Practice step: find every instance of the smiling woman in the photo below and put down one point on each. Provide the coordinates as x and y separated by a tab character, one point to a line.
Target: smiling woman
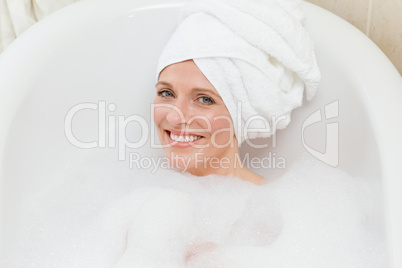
218	78
66	206
195	125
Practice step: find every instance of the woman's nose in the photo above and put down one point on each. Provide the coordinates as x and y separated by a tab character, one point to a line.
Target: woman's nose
180	113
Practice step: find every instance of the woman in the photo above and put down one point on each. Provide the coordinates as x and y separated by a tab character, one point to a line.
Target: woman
199	130
231	71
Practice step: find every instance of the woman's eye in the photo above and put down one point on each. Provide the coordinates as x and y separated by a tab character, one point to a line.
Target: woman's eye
165	93
206	100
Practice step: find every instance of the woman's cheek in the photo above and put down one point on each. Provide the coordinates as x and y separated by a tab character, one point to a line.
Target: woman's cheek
159	114
222	131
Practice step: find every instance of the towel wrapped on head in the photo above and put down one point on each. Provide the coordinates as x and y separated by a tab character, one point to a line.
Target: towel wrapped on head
257	55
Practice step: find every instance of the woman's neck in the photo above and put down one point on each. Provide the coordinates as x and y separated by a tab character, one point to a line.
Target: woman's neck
248	175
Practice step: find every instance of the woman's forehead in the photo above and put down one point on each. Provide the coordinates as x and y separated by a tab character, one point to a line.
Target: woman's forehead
185	74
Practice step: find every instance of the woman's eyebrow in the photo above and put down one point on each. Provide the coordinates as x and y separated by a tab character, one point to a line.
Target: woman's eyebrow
207	90
163	83
199	89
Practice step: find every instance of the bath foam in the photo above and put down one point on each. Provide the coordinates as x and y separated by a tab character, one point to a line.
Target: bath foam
99	213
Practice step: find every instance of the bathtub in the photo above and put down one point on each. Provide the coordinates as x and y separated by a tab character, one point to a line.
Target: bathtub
96	59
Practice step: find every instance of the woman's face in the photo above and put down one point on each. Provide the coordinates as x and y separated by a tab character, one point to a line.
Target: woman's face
192	120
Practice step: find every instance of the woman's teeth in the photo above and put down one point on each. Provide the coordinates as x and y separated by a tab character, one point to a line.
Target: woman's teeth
184	138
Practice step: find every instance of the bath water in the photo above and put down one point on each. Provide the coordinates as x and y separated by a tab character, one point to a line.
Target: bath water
99	213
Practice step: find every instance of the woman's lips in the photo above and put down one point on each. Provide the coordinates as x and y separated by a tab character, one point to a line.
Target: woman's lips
181	144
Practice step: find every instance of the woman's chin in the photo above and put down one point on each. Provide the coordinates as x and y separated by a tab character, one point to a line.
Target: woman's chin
181	162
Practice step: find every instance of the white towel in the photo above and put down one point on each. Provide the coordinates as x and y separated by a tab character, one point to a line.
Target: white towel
255	53
16	16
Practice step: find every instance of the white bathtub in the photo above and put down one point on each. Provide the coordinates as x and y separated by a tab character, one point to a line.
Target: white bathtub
95	51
